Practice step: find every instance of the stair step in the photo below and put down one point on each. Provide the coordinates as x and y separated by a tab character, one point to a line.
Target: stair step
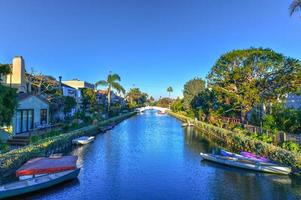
17	143
20	137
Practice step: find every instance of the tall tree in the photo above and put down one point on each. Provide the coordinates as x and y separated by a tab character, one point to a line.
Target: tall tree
169	90
136	97
8	104
112	82
5	69
295	7
191	90
246	78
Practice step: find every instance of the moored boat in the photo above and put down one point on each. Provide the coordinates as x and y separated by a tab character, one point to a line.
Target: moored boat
188	124
242	155
247	164
254	156
43	172
83	140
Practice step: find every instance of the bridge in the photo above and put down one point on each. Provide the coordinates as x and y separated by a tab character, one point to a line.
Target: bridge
153	108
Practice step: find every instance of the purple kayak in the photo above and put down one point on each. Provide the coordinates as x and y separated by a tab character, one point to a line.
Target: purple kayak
254	157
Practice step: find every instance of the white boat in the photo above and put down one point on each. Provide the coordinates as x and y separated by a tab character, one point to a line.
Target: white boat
247	164
83	140
36	183
187	124
41	173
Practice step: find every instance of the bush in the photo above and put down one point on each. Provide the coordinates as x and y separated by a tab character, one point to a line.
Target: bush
291	146
241	142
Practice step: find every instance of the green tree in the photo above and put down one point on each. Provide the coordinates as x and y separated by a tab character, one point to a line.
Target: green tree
295	7
69	104
177	105
112	82
5	69
191	90
136	98
8	104
169	90
245	78
164	102
89	99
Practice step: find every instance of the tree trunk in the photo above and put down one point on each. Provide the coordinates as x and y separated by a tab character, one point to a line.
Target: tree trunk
109	98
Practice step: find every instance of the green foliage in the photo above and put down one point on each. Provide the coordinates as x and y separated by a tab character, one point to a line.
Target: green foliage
8	104
112	82
69	104
241	142
11	160
191	90
169	90
177	105
89	100
164	102
291	146
269	124
5	69
246	78
295	6
136	98
3	147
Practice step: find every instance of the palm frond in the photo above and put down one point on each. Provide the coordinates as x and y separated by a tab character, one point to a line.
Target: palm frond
113	77
295	7
118	87
102	83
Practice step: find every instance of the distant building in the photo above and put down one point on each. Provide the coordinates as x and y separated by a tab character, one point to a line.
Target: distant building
293	101
78	84
103	100
17	78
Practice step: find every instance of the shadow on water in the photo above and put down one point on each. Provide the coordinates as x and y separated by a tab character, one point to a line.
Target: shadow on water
193	140
152	157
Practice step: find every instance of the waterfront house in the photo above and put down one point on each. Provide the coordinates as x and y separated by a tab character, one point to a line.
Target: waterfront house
32	113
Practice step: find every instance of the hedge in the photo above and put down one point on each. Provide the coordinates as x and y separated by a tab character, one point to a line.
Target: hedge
12	160
238	142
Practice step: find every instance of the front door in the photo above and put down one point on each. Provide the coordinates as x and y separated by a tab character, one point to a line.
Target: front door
24	120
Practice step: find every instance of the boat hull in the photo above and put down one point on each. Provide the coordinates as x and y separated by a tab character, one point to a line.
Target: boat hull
247	164
83	141
37	183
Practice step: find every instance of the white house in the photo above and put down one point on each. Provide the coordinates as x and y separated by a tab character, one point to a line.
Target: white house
32	112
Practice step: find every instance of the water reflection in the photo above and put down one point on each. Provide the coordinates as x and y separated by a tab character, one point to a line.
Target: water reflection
153	157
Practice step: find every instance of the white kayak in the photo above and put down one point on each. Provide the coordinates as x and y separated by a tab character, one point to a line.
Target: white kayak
247	164
83	140
187	124
36	183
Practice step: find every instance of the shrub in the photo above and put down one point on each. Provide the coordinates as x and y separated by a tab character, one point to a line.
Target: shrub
291	146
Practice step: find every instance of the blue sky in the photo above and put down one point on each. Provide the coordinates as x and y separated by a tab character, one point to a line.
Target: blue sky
152	44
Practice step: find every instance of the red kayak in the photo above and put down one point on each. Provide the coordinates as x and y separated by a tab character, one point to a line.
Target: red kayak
46	165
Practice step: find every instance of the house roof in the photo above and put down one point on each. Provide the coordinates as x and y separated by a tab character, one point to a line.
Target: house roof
23	96
103	92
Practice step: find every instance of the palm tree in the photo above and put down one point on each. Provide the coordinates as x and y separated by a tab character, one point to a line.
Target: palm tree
169	90
111	83
295	7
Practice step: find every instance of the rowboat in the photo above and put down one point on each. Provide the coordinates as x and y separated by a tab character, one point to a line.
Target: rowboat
254	157
83	140
245	155
187	124
247	164
43	173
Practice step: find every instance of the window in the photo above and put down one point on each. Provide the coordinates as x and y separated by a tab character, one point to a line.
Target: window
24	120
43	116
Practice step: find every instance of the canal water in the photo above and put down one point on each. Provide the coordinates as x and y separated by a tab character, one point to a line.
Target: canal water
151	156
